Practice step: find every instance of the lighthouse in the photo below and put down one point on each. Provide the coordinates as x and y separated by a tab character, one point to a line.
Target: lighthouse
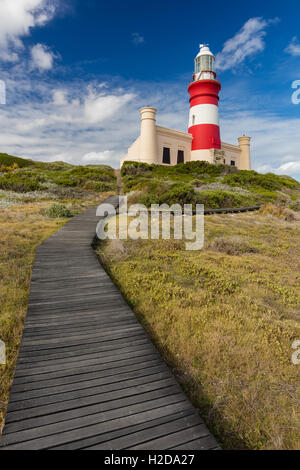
163	146
204	99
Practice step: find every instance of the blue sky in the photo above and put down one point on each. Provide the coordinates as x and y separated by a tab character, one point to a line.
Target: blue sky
77	71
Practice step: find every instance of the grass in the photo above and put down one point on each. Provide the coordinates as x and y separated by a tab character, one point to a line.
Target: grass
215	186
224	319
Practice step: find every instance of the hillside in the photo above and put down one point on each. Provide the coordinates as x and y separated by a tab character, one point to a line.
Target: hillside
58	179
215	186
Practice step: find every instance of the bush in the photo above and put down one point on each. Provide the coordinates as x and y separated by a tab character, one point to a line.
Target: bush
295	206
200	168
56	211
7	169
179	194
223	199
176	184
135	168
278	211
96	179
21	182
234	246
268	181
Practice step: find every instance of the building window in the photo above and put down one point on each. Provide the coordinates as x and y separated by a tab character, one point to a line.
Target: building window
166	156
232	163
180	156
224	161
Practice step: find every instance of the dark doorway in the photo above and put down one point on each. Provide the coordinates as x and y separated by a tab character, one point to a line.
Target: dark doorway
166	156
180	156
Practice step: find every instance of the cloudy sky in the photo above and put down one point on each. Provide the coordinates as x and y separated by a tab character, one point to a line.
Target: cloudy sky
77	71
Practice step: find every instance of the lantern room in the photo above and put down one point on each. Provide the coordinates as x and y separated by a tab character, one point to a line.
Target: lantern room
204	64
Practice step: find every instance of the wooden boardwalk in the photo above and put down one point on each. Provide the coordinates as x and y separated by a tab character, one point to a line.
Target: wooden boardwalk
87	375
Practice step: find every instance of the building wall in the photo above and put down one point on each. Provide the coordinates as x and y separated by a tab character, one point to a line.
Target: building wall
174	140
232	153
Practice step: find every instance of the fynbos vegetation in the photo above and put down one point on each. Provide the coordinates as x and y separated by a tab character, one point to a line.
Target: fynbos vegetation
215	186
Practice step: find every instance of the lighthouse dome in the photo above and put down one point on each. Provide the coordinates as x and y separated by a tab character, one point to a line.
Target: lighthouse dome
204	50
204	64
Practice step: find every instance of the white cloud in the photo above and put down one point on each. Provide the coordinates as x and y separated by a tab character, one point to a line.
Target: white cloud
69	121
137	39
17	17
41	58
59	97
100	157
98	108
293	48
291	168
274	146
246	43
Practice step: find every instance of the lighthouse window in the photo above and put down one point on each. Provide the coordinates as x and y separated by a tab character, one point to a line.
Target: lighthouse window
166	156
193	120
180	156
232	163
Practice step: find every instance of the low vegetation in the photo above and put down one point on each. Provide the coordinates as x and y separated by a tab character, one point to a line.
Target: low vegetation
27	176
58	211
224	318
215	186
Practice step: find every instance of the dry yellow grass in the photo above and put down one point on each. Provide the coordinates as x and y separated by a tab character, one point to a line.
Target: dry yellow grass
224	318
22	228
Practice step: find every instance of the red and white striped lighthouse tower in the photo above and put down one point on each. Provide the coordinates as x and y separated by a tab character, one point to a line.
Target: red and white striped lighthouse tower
204	99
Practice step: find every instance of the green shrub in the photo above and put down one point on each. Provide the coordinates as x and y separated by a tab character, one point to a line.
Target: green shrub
20	182
135	168
99	186
56	211
94	178
179	194
268	181
223	199
183	172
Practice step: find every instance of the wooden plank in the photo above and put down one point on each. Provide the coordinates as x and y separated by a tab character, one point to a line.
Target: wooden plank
108	410
157	431
51	440
108	440
178	438
112	379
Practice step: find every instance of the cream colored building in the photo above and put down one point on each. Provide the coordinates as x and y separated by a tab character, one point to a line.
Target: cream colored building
164	146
